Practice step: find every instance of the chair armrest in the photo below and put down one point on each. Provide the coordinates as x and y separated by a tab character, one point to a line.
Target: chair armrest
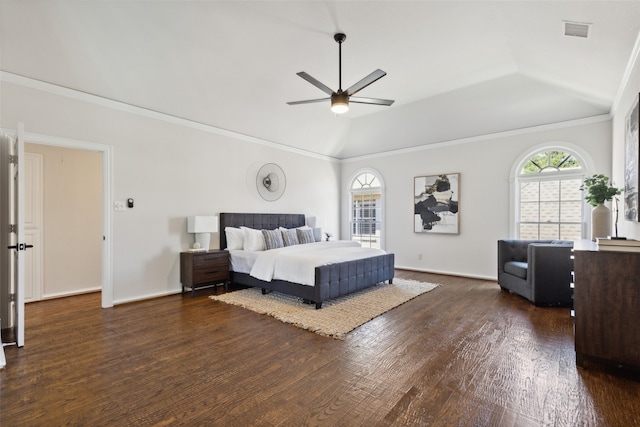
549	272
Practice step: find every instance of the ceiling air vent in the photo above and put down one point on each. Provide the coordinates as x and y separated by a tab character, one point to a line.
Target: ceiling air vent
576	29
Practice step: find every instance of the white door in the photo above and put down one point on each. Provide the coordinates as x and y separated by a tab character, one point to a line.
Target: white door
18	245
12	212
21	246
33	219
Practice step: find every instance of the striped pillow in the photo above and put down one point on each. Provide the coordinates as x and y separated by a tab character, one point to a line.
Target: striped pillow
272	239
305	235
289	236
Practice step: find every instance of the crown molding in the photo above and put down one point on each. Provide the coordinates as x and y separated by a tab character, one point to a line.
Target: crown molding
486	137
43	86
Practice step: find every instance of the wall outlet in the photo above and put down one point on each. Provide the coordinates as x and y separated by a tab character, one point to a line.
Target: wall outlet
120	205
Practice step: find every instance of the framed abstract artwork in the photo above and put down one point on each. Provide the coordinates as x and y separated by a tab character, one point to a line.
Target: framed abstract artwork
436	200
631	147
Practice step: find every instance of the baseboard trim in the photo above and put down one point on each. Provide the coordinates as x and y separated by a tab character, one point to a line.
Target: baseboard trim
69	294
146	297
448	273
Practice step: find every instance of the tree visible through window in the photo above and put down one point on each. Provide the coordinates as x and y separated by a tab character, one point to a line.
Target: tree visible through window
366	210
549	197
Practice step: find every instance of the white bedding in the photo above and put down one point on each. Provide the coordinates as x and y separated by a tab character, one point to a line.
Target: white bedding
242	261
297	263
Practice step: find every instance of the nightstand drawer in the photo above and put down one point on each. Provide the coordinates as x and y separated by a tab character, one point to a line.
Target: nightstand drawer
208	274
210	260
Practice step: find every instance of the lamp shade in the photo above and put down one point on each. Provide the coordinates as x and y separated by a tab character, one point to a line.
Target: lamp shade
202	224
311	221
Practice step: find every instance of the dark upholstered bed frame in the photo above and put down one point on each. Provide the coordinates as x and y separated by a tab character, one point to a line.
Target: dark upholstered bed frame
331	281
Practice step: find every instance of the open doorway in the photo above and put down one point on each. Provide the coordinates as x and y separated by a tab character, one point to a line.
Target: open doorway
104	153
63	221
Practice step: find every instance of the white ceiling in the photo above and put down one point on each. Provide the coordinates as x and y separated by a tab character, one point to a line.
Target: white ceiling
456	69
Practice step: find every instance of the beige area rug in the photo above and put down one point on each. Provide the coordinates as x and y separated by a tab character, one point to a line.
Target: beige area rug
337	317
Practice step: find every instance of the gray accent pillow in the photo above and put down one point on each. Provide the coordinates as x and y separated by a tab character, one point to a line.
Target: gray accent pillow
305	235
289	236
272	239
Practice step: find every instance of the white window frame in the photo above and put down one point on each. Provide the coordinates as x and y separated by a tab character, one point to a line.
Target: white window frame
516	177
380	220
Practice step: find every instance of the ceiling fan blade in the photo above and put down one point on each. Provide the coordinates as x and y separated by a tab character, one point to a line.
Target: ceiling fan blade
375	101
315	82
308	101
377	74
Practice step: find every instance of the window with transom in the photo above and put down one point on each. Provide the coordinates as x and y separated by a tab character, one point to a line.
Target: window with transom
366	210
549	200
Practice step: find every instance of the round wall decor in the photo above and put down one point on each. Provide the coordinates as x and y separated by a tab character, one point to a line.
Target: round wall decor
271	182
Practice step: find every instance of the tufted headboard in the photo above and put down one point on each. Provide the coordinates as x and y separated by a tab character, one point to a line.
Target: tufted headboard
258	221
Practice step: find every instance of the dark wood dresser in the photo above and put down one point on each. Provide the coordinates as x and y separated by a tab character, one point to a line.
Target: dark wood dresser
607	305
203	269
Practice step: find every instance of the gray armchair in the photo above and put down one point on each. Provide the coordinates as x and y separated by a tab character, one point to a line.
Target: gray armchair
539	270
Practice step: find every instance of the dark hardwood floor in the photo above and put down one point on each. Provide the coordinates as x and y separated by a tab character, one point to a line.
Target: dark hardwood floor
465	354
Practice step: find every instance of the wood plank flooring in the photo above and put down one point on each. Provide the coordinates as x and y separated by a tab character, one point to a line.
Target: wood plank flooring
465	354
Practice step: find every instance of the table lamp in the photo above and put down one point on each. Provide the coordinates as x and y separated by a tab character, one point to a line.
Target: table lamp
202	226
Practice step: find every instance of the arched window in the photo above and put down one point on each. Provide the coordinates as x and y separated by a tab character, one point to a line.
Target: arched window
367	209
549	202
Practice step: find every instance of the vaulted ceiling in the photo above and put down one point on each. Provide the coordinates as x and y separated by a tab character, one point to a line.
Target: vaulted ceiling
456	69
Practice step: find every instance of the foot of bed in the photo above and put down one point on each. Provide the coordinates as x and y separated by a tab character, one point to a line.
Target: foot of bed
391	281
309	302
265	291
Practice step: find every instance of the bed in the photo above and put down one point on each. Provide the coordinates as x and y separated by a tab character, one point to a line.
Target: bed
329	280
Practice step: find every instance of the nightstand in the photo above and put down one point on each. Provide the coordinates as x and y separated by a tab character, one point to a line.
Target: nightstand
203	269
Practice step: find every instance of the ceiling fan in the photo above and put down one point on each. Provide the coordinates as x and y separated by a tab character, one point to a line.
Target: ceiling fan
340	99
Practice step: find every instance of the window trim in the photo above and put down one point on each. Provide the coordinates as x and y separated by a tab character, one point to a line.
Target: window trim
353	191
515	177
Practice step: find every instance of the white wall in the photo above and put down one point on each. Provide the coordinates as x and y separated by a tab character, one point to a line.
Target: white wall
628	95
72	228
484	165
172	170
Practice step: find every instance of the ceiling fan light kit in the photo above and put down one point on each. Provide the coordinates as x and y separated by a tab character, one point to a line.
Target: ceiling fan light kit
340	99
339	103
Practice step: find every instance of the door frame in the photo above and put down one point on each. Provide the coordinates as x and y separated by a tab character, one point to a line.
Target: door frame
107	188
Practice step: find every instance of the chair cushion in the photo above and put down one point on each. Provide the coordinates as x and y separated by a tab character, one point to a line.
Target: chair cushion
518	269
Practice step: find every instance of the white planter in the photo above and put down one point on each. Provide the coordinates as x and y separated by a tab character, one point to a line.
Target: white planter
600	222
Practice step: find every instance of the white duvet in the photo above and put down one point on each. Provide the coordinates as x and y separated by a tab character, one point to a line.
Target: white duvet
297	263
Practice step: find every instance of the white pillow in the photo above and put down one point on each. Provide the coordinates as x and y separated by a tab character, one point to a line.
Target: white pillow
235	238
317	234
253	239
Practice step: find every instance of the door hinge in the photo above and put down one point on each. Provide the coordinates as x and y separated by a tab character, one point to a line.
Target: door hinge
13	159
13	228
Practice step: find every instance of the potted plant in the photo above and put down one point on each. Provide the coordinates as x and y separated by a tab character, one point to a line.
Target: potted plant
600	191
